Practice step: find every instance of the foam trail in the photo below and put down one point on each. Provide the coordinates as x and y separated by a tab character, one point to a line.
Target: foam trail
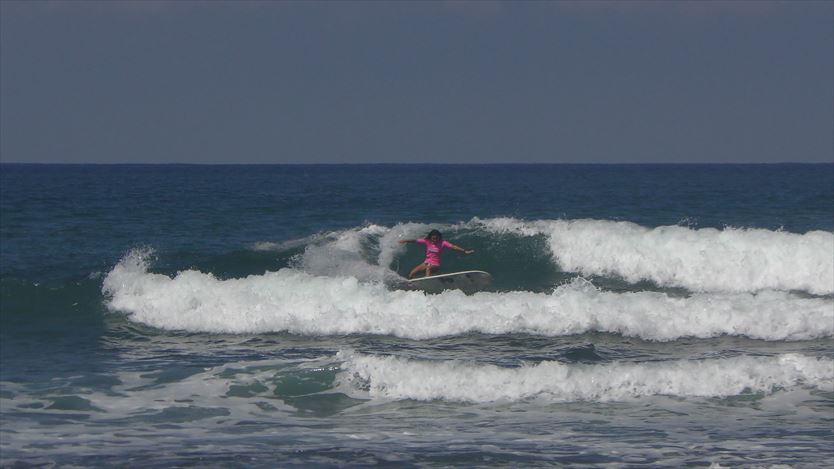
345	253
301	303
366	253
399	378
703	260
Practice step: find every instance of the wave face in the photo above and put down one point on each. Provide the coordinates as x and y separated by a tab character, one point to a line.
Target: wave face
398	378
300	302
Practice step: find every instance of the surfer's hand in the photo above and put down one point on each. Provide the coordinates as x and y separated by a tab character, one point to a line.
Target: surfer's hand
469	251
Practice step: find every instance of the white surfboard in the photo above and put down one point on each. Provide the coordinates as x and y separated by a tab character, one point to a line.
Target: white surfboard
469	281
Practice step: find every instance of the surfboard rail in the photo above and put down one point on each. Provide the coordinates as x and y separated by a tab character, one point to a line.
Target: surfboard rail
469	281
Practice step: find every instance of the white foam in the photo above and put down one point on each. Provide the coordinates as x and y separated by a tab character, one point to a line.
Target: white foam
301	303
398	378
288	244
706	260
347	253
367	252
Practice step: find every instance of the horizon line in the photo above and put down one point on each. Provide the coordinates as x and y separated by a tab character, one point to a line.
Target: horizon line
423	164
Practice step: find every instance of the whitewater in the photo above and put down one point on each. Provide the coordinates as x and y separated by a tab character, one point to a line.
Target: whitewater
706	259
399	378
318	296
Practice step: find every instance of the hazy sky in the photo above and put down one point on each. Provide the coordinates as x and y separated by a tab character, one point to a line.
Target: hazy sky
398	82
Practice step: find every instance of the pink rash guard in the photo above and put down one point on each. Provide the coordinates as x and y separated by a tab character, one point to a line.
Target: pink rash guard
433	251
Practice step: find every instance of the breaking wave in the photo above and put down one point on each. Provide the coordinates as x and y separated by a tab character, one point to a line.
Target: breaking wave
399	378
300	302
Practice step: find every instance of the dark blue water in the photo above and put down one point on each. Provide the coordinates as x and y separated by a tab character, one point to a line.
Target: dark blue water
253	315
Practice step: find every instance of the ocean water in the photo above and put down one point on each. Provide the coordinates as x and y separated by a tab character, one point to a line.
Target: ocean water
251	316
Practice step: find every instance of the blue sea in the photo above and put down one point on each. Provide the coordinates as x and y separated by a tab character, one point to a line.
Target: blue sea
254	316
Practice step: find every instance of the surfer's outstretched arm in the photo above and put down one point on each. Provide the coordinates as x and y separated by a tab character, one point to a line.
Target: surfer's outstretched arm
460	249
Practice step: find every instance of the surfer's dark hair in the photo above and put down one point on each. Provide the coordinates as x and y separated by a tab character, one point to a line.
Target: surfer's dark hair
434	232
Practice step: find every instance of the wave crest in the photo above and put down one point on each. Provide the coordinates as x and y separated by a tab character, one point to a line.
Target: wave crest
701	260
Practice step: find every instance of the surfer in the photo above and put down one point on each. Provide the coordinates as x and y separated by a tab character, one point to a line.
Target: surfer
435	244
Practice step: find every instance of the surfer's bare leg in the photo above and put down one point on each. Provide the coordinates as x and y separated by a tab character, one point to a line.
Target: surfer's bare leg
416	270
